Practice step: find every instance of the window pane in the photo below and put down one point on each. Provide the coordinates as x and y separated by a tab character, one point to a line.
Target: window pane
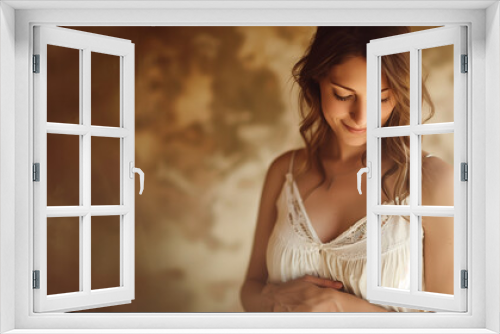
63	170
395	90
437	169
437	84
105	252
63	255
105	171
395	171
63	85
105	90
438	254
395	252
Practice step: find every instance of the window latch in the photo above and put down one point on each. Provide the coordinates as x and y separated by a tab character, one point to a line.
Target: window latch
368	171
133	170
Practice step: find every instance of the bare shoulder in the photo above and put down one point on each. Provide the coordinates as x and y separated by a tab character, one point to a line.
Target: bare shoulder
435	168
281	164
437	181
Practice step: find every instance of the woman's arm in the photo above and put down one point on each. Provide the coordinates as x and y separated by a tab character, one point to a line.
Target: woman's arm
437	189
251	297
256	276
301	296
350	303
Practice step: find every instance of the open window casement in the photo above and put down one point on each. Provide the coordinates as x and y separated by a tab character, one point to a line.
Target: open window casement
412	294
83	215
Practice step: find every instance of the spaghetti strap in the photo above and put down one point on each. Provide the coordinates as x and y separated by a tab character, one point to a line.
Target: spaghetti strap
290	168
428	155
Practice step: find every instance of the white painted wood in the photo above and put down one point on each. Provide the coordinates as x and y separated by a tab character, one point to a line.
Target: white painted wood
127	227
372	155
415	189
246	4
435	128
481	95
76	129
413	43
86	168
419	129
256	330
95	210
490	161
392	131
40	156
7	168
86	298
421	210
83	222
75	39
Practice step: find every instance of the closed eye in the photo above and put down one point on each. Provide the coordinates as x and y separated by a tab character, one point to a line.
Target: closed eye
349	97
343	98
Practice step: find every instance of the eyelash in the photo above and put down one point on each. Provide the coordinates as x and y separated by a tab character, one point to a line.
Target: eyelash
342	98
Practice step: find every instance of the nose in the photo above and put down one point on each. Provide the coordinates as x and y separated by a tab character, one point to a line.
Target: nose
358	113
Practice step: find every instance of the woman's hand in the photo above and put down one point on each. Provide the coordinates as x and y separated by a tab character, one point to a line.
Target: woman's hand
305	294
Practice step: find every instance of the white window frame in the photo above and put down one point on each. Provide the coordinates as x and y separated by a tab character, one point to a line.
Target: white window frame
483	21
86	44
414	43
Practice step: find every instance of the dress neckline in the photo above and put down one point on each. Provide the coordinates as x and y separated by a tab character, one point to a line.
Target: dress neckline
311	228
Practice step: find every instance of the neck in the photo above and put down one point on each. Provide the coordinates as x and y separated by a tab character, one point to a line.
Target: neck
340	153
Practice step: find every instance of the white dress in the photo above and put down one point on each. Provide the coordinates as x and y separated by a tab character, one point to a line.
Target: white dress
295	250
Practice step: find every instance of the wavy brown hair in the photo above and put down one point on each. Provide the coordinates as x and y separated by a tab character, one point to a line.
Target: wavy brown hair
330	46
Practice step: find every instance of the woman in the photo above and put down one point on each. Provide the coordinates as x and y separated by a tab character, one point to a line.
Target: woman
309	251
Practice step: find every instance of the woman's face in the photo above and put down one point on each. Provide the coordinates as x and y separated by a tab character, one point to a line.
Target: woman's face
343	100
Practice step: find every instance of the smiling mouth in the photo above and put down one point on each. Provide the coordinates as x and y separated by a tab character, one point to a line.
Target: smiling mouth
354	130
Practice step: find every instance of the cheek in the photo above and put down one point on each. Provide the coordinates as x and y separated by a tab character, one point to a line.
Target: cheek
332	108
387	109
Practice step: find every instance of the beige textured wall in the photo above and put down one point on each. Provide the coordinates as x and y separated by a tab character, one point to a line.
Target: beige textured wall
214	106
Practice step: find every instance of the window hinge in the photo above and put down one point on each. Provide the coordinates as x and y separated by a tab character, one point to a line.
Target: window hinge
465	279
36	63
465	171
36	172
36	279
465	64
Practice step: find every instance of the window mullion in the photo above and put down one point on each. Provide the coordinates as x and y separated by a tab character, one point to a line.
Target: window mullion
414	163
85	164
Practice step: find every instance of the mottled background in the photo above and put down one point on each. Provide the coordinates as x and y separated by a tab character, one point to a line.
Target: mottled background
214	106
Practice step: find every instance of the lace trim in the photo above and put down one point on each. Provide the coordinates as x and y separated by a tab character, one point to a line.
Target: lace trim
298	220
296	217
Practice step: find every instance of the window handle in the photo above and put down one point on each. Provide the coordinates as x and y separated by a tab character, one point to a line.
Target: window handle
368	171
138	171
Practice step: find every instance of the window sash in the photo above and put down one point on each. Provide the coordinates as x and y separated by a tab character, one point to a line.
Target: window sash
413	43
87	43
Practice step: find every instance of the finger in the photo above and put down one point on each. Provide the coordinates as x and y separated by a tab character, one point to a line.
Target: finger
331	284
323	282
337	284
268	288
